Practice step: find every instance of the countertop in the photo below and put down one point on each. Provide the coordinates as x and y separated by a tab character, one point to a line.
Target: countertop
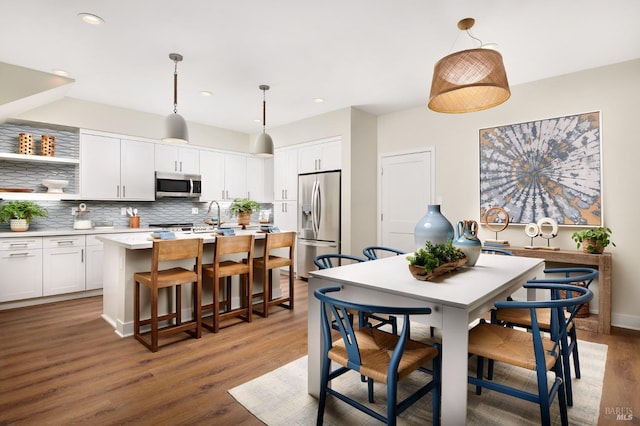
71	231
139	241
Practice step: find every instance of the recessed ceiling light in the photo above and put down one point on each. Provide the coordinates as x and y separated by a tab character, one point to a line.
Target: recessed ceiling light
90	18
318	100
61	73
206	93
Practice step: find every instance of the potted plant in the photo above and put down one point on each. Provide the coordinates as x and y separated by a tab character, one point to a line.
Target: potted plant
20	214
435	259
243	207
593	240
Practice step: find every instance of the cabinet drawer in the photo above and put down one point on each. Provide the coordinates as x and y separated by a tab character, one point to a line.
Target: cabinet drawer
20	243
63	241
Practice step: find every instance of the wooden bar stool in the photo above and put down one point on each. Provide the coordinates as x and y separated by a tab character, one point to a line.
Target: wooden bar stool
277	240
174	277
219	269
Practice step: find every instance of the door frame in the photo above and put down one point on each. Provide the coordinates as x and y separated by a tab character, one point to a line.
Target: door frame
432	166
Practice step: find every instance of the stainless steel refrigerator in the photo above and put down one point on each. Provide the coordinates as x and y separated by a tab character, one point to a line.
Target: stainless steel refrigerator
318	218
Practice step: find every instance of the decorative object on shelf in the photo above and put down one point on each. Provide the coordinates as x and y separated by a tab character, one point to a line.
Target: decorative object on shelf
593	240
263	146
55	186
434	227
496	219
546	228
20	214
25	144
47	145
82	219
540	168
243	207
467	240
469	80
433	260
176	127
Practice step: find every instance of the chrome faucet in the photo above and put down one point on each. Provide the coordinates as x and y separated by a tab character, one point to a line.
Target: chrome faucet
209	211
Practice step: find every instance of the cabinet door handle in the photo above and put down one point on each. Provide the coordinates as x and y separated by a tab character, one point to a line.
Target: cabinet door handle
117	191
82	256
181	166
23	254
175	166
18	245
65	242
319	164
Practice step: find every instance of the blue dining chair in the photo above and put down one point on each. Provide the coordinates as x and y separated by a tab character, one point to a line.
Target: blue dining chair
375	354
518	317
530	349
326	261
495	250
371	252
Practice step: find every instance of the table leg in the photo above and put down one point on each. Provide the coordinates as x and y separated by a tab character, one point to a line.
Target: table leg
314	339
455	345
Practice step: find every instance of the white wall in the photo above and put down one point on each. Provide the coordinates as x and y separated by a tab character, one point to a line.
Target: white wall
613	90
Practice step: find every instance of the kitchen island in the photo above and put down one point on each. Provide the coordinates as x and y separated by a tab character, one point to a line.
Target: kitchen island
126	254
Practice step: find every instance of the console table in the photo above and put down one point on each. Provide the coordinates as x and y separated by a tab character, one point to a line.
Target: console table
600	323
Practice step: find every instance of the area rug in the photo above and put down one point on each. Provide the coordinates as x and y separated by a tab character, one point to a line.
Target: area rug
280	397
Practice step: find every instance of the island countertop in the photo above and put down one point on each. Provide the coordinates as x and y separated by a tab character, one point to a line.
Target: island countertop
143	240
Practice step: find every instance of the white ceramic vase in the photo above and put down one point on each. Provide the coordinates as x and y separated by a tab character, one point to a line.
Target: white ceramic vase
19	225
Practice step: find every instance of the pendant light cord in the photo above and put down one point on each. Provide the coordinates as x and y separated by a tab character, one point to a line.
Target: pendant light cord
175	88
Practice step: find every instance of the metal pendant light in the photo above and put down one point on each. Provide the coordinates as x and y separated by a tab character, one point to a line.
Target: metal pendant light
469	80
176	127
263	146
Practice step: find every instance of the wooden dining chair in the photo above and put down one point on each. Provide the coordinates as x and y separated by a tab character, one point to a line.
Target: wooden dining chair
375	354
532	349
517	317
268	262
156	279
220	272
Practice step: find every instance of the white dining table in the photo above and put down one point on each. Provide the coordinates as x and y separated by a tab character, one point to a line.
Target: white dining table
457	300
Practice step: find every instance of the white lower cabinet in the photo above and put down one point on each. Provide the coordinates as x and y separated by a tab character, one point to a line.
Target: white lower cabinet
21	266
93	263
63	264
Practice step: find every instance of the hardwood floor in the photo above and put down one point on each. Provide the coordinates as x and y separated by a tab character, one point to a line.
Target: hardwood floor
62	364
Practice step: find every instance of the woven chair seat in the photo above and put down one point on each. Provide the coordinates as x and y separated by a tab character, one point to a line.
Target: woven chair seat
508	345
522	317
376	347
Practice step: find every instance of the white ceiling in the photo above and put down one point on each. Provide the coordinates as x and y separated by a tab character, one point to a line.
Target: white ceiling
377	55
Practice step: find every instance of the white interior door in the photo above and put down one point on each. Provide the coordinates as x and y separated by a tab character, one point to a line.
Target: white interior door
407	185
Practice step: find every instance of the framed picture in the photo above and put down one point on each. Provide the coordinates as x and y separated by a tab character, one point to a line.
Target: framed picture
545	168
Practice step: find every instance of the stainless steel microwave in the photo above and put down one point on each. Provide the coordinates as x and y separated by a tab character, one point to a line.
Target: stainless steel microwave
178	185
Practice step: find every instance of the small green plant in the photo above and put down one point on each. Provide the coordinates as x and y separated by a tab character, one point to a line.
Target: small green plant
21	210
434	255
594	239
243	205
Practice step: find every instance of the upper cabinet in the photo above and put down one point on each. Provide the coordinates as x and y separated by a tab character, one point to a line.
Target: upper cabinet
320	156
177	159
224	175
285	171
112	168
256	179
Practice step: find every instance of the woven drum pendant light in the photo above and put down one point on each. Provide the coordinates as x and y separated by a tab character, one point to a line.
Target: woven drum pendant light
176	127
469	80
263	146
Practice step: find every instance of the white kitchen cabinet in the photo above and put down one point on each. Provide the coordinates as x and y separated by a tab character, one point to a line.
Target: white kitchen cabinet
256	179
224	175
21	266
63	264
176	159
112	168
285	215
285	165
93	263
320	157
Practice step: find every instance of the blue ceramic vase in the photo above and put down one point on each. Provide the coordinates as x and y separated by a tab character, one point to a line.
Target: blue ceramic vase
467	240
433	227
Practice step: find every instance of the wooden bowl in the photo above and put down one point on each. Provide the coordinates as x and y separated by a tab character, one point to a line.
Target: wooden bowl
421	274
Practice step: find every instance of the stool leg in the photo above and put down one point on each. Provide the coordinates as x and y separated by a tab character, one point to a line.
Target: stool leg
266	290
249	296
291	282
154	319
136	310
178	304
197	308
216	303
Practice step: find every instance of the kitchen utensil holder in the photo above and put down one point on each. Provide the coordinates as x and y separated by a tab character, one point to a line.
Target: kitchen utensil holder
48	145
134	222
25	145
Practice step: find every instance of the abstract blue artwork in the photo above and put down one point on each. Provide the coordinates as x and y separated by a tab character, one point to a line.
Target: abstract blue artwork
544	168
